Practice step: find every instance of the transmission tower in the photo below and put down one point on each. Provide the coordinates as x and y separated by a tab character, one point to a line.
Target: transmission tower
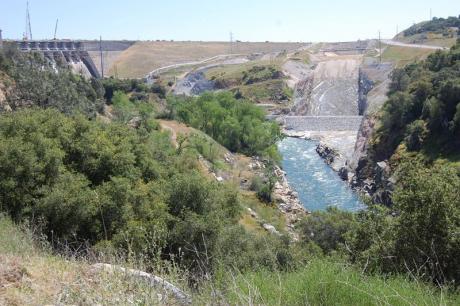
28	32
55	29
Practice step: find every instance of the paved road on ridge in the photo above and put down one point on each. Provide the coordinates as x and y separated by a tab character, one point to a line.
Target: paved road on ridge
401	44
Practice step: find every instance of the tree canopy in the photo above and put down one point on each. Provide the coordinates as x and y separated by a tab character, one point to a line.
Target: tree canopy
237	124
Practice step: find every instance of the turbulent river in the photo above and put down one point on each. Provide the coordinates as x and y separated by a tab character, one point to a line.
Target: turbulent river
316	183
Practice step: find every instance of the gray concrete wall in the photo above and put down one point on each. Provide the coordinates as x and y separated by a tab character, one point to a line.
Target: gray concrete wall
107	45
319	123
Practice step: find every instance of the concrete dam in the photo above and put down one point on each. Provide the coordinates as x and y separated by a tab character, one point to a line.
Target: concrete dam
81	56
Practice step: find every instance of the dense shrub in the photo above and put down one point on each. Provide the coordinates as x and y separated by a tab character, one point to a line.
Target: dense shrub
434	25
137	88
123	188
327	228
422	107
421	237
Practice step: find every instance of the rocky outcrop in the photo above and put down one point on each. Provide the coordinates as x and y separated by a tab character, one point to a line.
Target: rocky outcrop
368	177
271	229
362	141
288	202
378	183
364	87
194	83
326	153
334	159
3	104
343	173
152	280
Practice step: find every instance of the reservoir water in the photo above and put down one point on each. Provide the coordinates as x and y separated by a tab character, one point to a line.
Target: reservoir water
316	183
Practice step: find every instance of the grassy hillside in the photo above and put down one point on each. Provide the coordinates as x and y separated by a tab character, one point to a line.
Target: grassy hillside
331	282
31	274
430	38
437	32
259	81
145	56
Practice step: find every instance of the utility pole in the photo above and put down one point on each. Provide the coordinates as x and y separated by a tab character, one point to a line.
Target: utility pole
1	39
431	15
380	48
231	42
102	61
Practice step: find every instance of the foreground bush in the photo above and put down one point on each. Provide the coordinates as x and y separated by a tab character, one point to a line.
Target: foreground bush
116	187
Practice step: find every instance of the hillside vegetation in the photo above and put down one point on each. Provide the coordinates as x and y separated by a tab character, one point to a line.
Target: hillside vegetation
258	81
438	31
423	109
439	25
418	134
31	274
237	124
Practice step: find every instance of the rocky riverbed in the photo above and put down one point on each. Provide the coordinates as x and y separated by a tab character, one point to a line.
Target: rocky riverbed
288	201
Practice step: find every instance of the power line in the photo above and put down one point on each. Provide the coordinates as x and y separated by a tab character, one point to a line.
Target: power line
102	61
231	43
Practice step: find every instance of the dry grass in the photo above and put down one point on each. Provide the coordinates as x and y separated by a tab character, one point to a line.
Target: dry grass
30	275
404	55
45	279
143	57
304	56
236	71
109	58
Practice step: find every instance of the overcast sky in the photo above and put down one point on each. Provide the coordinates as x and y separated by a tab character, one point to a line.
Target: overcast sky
248	20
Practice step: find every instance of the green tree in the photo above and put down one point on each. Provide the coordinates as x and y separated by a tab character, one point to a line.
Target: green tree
427	240
416	135
327	229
